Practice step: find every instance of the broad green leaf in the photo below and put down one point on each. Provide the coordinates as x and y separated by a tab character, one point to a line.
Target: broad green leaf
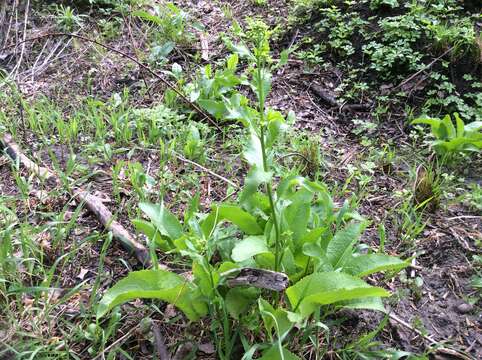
154	284
266	307
276	125
243	113
239	299
162	51
266	260
274	354
276	320
364	265
433	122
299	186
460	144
207	282
312	236
297	215
242	50
166	223
151	232
242	219
314	250
245	221
288	185
367	303
442	132
329	288
215	108
144	15
226	266
253	153
447	122
262	84
340	248
249	247
288	262
194	95
227	82
256	176
428	121
176	70
283	57
232	62
460	125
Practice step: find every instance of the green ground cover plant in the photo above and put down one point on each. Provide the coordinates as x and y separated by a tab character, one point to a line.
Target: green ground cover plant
393	41
294	229
450	139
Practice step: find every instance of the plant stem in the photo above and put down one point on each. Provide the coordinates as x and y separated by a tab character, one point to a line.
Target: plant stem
221	314
269	186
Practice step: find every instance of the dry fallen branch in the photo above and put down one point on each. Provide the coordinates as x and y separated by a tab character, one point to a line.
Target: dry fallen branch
331	101
259	278
216	175
413	76
105	217
204	46
14	152
93	203
410	327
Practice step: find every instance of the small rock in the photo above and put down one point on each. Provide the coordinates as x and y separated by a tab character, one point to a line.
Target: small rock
464	308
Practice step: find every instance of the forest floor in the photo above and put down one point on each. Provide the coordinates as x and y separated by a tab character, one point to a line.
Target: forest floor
64	106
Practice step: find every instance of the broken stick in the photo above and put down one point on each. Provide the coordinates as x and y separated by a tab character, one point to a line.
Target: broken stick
93	203
14	152
259	278
105	217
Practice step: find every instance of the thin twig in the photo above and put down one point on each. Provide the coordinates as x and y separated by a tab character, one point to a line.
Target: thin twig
115	343
133	59
48	58
410	327
22	52
476	217
426	67
296	154
220	177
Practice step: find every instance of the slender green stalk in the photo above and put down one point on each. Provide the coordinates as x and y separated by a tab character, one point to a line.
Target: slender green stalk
220	312
269	185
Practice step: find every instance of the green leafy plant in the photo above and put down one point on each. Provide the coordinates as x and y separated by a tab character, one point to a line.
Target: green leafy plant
212	89
67	19
294	228
459	37
118	5
194	146
259	2
376	4
450	139
170	19
170	29
141	182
